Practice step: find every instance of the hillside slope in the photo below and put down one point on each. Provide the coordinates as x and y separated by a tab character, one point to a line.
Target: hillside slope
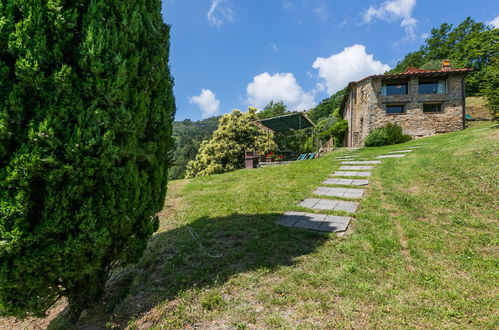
421	252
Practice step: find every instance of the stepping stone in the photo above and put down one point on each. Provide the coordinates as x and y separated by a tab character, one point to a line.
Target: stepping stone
346	182
353	149
330	205
414	147
400	151
355	168
339	192
351	173
390	156
320	222
360	162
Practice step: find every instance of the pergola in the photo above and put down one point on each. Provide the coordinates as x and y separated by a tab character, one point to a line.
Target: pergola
283	124
293	121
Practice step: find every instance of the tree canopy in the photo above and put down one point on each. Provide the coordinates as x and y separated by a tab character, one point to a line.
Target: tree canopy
469	45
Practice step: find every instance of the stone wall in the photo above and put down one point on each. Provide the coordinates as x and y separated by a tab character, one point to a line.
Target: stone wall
369	110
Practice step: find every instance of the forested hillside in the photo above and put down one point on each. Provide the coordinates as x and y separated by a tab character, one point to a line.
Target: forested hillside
188	136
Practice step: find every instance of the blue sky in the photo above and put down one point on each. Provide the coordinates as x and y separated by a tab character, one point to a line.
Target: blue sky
231	54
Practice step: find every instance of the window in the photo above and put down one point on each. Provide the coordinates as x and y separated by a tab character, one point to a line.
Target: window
399	88
432	107
432	87
393	109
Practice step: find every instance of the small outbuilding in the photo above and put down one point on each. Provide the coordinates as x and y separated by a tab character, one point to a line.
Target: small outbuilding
422	102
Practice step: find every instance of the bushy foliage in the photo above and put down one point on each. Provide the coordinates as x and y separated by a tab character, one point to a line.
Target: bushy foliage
333	126
188	136
469	45
490	87
273	110
225	151
386	135
326	107
86	107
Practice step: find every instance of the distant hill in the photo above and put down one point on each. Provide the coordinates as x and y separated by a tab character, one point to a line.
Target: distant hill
188	136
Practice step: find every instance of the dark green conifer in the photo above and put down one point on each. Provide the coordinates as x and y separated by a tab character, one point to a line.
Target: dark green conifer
86	109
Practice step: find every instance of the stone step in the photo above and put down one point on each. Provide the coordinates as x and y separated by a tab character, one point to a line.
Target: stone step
351	173
390	156
347	182
339	192
400	151
354	168
414	147
312	221
360	162
330	205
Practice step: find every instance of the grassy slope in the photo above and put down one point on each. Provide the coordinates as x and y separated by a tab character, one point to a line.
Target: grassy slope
422	250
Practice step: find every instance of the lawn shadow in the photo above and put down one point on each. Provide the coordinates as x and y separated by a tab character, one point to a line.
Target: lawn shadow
206	252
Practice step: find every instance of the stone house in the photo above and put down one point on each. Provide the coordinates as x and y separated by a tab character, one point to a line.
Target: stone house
422	102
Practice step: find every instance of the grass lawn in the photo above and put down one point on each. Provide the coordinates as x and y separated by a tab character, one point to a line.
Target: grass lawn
421	252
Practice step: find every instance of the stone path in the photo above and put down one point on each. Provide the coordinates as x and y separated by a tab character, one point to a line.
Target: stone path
339	192
390	156
349	168
328	204
314	221
360	162
346	182
351	173
331	223
400	151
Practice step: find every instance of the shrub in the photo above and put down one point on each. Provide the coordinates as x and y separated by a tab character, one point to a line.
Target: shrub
86	107
386	135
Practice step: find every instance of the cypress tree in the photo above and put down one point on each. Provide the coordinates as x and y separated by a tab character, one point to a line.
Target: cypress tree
86	109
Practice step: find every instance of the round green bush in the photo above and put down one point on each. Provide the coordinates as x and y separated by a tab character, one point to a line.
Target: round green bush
386	135
86	110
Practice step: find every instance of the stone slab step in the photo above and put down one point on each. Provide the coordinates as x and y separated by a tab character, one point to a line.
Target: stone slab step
414	147
390	156
400	151
347	182
360	162
312	221
339	192
330	205
351	173
356	168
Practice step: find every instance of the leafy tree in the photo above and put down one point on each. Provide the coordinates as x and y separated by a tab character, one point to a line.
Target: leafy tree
491	87
333	126
273	110
327	106
86	107
469	45
235	134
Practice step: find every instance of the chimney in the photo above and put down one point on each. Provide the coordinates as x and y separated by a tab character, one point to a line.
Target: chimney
446	66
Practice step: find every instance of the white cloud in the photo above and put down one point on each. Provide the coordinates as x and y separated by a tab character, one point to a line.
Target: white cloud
220	12
287	4
321	12
274	47
494	22
394	10
207	102
278	87
353	63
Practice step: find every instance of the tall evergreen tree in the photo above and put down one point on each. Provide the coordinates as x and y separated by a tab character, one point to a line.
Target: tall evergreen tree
86	107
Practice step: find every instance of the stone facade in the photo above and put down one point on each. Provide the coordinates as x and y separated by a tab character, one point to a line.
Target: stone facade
364	108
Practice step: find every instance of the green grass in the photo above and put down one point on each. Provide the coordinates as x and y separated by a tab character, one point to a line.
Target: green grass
421	252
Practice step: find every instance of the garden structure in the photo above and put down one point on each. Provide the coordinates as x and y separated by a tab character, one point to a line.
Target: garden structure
283	127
